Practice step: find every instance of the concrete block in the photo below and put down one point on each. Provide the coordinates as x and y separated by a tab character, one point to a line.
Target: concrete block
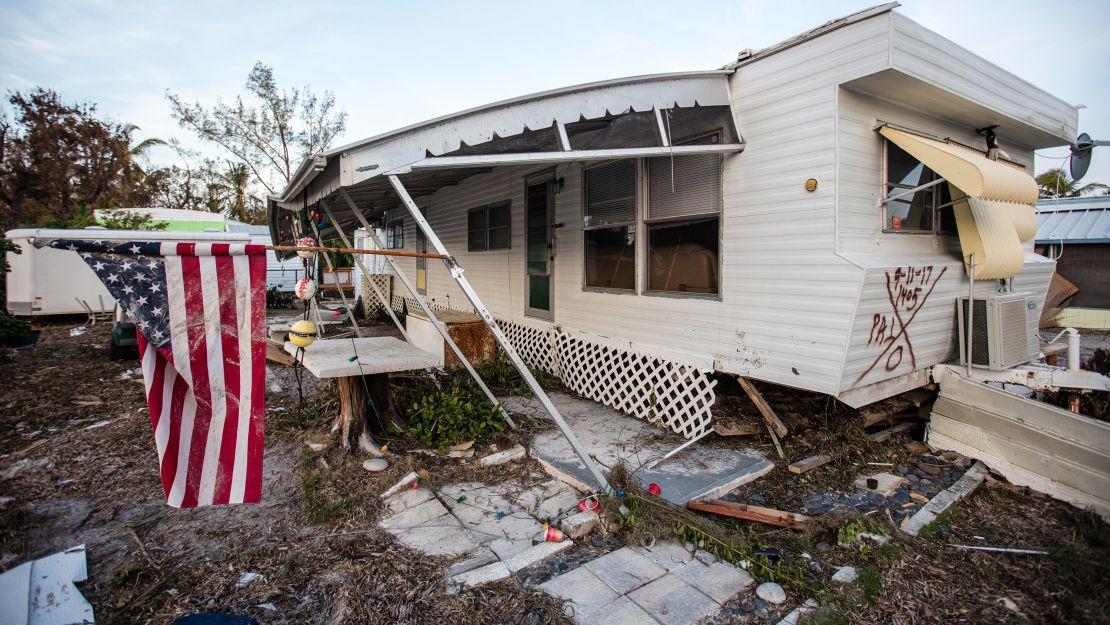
582	590
436	541
579	524
501	457
719	581
396	488
888	483
845	575
623	611
667	554
428	512
674	602
482	575
534	554
506	548
625	570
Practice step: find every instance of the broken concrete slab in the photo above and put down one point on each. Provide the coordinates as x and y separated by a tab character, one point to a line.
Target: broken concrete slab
963	487
480	557
515	452
527	557
797	613
845	575
674	602
436	540
702	471
482	575
582	590
667	554
887	483
43	591
719	581
624	570
424	513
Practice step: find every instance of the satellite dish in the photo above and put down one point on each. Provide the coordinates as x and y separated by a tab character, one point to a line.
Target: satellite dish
1081	156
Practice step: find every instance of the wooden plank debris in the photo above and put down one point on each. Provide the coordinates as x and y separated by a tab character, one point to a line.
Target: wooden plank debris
768	516
275	352
884	411
731	427
809	464
765	409
1030	552
882	435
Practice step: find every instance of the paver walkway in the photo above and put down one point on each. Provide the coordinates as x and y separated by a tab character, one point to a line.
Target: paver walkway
664	585
491	529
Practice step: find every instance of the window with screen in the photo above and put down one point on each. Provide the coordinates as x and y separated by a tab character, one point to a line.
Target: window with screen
683	224
609	225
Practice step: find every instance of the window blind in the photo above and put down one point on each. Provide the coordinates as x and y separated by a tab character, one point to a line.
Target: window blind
696	186
611	193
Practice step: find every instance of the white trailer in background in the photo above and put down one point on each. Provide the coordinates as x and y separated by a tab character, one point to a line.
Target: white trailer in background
47	281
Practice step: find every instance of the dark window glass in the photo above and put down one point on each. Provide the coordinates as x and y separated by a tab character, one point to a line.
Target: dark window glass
498	220
913	212
395	235
947	214
476	230
683	256
611	258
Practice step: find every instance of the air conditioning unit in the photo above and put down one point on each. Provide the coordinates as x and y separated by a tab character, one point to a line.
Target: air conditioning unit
1000	332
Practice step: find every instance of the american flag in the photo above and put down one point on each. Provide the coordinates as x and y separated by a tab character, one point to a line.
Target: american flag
200	309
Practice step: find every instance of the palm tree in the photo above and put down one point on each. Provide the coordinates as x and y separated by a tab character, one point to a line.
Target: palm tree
1057	183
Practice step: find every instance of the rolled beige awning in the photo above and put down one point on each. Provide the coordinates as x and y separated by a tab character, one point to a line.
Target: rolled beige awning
998	214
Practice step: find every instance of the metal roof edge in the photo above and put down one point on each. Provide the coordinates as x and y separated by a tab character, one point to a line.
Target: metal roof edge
812	33
302	171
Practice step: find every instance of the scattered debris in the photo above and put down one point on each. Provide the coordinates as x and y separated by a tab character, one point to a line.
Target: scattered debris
765	409
883	483
845	575
883	435
797	613
769	516
42	591
809	464
267	606
501	457
1031	552
399	486
98	424
771	593
87	400
917	448
918	496
78	331
248	578
732	427
963	487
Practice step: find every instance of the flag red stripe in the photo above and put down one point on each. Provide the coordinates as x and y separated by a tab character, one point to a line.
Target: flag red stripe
257	294
229	342
198	367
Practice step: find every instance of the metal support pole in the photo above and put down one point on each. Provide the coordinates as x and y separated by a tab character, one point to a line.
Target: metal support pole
358	261
342	295
970	335
427	310
510	351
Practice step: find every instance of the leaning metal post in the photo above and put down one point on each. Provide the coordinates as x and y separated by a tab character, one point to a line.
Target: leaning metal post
358	261
457	273
427	310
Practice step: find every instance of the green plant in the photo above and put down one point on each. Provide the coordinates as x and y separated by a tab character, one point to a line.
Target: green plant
852	530
870	582
440	419
13	328
276	298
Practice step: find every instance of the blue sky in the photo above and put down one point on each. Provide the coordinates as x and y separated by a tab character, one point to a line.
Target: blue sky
391	64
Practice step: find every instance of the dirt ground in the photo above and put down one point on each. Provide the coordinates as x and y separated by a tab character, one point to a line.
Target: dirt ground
78	465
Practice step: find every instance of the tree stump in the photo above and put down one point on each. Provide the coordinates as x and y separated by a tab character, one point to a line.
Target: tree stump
355	413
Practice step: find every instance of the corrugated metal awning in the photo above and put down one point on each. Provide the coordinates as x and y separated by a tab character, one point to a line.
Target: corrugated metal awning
997	215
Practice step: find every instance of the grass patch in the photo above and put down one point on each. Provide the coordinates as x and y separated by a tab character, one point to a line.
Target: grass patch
826	615
870	581
930	529
320	503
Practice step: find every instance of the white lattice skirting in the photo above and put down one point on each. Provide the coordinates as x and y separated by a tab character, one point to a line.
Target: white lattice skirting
672	395
370	303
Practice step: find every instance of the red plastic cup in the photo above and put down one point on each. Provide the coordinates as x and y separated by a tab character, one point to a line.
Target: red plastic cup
553	535
653	489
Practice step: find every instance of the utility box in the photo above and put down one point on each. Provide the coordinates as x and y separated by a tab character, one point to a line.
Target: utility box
468	331
999	337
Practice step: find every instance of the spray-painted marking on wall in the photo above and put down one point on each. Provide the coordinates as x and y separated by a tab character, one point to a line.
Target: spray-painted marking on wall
907	290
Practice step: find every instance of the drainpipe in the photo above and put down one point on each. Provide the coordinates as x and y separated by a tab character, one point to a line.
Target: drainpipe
1073	349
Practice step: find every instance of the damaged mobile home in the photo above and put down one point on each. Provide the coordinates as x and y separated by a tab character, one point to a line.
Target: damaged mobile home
807	215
